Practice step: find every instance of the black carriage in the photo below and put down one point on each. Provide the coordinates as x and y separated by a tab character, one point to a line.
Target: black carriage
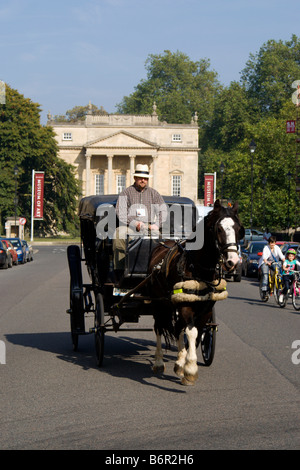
113	304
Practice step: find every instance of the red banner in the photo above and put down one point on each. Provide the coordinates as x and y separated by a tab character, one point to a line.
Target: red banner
290	127
38	194
209	188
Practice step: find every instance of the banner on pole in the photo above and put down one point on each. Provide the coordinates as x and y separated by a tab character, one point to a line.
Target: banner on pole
38	195
209	189
290	127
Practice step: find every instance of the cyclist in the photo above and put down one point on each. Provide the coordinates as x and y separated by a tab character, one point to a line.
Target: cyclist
271	253
289	266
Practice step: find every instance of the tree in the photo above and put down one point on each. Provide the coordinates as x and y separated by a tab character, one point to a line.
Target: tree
177	85
268	75
258	108
78	113
25	143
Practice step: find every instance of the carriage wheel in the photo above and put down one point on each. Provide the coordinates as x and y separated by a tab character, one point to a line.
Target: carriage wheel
99	329
74	335
76	294
208	341
75	304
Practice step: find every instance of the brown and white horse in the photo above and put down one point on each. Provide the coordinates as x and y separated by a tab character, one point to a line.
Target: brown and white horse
188	284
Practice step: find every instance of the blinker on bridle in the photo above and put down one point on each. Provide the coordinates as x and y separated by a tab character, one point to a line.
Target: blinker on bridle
225	248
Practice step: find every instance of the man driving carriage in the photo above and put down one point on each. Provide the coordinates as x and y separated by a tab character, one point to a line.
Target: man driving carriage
141	210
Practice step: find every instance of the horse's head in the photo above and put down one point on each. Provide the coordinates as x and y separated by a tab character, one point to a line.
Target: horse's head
227	231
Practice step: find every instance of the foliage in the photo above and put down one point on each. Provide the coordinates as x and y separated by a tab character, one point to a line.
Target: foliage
178	86
26	144
269	74
78	113
257	108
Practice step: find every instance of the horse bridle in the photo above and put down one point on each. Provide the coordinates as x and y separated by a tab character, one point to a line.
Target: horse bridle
226	248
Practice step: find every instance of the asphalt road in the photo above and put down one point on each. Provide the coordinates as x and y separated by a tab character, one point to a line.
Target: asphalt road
54	398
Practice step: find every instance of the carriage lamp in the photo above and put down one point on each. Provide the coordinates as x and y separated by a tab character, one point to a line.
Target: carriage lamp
252	147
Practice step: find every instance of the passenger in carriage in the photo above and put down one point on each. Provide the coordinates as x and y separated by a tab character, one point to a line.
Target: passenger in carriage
140	209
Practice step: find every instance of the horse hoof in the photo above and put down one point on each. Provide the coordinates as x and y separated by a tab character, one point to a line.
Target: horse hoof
185	381
158	369
189	379
178	370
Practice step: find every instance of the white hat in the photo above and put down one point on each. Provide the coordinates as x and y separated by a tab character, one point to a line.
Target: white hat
142	171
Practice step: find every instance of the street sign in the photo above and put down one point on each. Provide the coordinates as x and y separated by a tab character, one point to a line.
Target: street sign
22	221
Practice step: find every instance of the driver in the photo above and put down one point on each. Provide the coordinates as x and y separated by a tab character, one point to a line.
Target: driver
140	209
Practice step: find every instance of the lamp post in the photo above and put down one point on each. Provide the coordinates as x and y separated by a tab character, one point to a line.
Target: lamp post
222	166
252	147
16	171
264	180
289	175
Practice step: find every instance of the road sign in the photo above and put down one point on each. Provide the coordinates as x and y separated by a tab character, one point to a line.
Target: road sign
22	221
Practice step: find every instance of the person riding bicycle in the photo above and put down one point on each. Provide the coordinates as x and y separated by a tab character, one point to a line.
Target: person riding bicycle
289	266
271	253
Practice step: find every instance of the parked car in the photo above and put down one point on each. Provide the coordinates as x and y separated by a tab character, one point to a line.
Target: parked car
13	252
5	256
254	235
29	251
251	258
237	272
20	249
286	246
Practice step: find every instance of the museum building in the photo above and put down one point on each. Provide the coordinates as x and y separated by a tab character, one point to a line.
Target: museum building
105	150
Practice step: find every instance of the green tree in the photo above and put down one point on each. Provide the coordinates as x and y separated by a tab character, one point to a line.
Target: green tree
178	86
26	144
268	74
78	113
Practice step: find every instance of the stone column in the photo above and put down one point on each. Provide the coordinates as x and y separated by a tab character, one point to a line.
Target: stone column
110	174
132	168
154	181
88	175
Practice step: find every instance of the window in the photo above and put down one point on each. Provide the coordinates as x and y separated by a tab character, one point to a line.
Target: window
67	136
176	138
121	183
176	185
99	184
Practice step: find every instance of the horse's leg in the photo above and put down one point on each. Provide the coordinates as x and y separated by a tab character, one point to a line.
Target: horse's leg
191	366
158	366
181	357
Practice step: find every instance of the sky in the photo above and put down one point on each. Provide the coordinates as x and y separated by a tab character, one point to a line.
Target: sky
65	53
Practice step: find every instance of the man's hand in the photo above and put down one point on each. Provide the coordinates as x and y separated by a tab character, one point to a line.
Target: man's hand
153	227
140	226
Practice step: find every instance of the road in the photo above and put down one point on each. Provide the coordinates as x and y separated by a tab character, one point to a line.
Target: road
54	398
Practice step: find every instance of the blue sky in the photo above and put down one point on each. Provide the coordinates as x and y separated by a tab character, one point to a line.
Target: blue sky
64	53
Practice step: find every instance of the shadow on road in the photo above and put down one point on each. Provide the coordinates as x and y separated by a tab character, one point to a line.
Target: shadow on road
123	356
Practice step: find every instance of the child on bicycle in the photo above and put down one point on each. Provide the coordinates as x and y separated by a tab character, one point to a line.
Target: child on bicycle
289	267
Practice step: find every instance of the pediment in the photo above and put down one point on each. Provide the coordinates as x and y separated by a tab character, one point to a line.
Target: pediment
121	139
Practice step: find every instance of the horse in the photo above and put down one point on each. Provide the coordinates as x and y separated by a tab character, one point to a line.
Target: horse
187	284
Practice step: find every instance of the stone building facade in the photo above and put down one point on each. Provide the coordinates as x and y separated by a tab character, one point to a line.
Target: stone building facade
106	148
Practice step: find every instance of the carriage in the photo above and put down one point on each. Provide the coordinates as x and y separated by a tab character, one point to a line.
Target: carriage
112	304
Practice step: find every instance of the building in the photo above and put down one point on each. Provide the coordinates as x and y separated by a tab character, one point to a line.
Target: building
106	148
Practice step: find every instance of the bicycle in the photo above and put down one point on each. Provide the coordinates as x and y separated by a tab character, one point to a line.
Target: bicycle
295	290
275	286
